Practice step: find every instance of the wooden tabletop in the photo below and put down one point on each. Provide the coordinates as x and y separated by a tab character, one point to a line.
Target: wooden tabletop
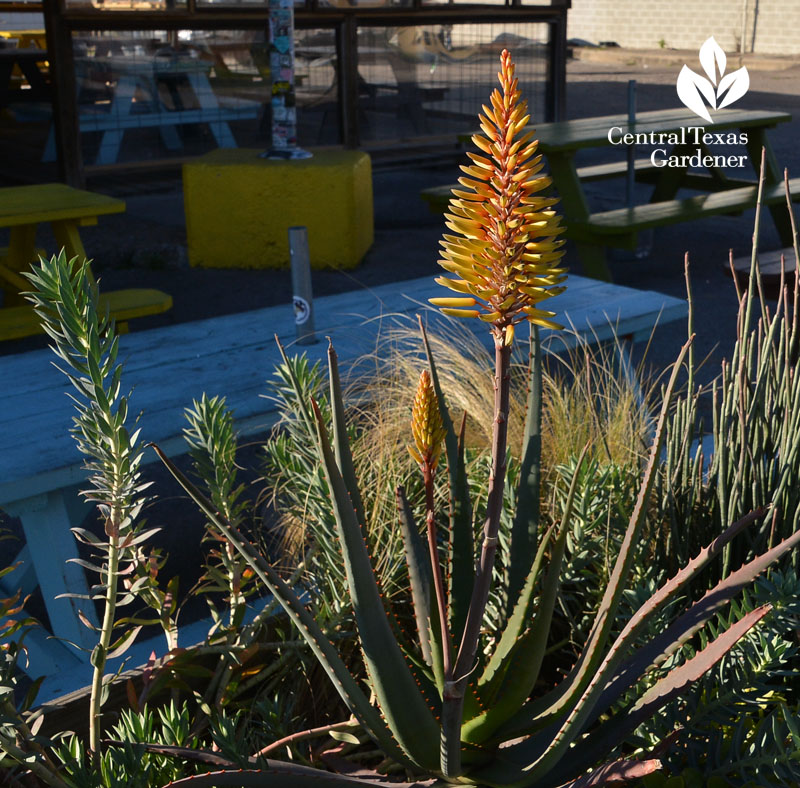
593	132
50	202
151	64
233	355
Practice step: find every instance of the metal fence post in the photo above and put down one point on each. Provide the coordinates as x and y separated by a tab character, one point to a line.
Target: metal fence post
302	298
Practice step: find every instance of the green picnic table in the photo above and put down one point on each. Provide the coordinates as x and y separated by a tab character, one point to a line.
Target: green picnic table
594	231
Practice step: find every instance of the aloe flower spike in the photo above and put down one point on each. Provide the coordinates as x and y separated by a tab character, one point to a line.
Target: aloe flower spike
428	430
506	252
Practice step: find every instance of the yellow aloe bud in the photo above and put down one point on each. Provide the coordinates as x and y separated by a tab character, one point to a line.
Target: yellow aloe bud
427	427
506	252
456	302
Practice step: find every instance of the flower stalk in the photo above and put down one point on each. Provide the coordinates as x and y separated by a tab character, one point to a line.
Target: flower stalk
507	260
429	433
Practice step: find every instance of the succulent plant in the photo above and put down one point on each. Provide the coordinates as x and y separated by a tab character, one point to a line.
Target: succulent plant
443	708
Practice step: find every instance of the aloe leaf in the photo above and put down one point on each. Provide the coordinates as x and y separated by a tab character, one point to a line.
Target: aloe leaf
462	556
419	573
632	629
621	771
516	624
525	661
668	641
570	689
341	444
525	528
674	684
658	649
556	766
280	775
347	687
408	715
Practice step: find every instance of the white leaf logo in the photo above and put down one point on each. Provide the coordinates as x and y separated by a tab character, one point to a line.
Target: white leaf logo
711	51
736	83
690	86
694	88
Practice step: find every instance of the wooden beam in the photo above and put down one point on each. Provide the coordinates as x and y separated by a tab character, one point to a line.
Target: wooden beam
347	73
556	80
65	95
209	18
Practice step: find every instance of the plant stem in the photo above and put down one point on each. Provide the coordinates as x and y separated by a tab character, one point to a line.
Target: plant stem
346	725
436	569
453	696
101	651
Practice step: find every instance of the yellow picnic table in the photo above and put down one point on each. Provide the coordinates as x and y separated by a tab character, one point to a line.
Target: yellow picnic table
22	210
33	37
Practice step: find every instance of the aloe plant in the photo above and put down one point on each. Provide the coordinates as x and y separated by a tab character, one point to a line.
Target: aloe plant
443	708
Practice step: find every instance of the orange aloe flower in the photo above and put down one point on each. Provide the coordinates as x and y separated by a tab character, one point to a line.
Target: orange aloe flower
506	254
426	424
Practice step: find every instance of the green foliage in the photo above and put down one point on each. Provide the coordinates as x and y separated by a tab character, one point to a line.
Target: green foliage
128	762
755	428
66	300
605	496
212	447
300	490
724	722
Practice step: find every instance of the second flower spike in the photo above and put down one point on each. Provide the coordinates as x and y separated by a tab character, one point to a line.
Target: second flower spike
426	424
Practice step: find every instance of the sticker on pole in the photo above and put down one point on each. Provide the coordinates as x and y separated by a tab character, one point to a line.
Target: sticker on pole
302	310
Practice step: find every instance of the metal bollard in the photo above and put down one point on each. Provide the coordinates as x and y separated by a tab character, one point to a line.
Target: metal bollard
630	182
302	298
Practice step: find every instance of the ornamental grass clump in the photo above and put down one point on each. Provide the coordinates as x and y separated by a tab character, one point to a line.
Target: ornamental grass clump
460	705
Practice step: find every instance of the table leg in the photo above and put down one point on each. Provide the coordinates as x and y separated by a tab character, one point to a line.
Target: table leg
6	69
168	131
208	101
593	260
22	578
69	239
46	522
45	655
592	254
756	140
121	105
21	254
35	77
671	178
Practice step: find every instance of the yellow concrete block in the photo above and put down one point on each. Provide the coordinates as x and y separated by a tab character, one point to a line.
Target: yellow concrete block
239	208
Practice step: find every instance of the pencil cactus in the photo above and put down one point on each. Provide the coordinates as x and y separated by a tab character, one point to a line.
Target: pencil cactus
444	708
